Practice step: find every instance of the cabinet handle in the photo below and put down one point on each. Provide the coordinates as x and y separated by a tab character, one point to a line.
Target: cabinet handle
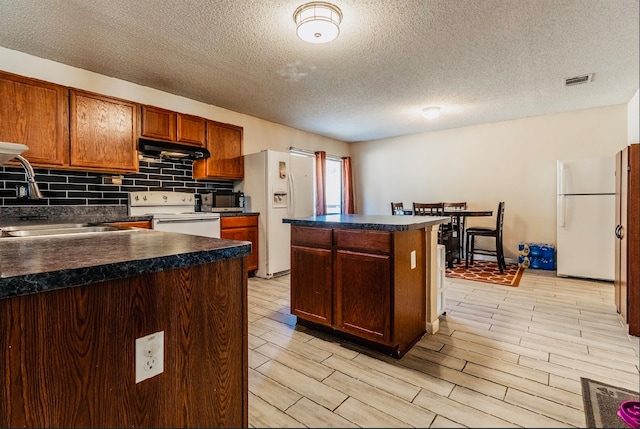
619	232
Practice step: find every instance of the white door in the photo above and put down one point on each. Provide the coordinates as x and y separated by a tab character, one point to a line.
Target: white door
585	239
587	176
278	200
301	186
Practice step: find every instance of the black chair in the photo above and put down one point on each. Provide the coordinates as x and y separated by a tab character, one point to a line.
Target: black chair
495	233
445	235
395	207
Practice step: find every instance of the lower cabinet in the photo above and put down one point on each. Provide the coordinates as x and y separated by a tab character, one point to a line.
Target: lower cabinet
242	228
311	271
146	224
365	284
67	356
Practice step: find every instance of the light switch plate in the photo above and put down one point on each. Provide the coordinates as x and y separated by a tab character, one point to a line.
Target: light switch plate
413	259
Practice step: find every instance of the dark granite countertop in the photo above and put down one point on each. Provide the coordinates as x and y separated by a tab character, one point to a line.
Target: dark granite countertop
31	265
233	214
372	222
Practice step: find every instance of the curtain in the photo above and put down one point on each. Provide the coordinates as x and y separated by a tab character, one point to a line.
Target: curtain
347	187
321	180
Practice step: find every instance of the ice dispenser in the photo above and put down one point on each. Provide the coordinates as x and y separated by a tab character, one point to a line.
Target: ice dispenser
280	196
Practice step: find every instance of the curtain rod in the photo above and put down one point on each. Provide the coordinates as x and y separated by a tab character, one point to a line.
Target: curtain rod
312	153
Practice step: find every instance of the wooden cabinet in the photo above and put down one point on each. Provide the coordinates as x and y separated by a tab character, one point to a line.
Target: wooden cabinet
243	228
366	284
311	271
103	133
225	142
363	284
68	355
146	224
35	113
627	233
171	126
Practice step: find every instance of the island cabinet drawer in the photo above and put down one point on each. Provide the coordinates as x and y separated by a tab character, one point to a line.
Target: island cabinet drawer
238	221
305	236
367	241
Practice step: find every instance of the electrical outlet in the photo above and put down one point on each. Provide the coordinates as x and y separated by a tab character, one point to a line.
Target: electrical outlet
149	356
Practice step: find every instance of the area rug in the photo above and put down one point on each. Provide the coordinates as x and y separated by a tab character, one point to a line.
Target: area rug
488	272
601	403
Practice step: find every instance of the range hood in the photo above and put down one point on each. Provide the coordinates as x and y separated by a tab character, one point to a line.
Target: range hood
172	150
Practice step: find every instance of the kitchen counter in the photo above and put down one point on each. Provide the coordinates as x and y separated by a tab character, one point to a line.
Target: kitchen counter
370	222
31	265
74	307
371	278
235	214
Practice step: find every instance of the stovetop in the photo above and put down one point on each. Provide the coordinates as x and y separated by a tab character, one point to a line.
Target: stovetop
165	204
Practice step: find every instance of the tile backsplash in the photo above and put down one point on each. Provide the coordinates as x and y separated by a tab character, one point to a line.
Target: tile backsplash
78	188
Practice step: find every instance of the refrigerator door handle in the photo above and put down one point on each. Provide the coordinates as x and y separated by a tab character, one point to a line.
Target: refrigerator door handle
292	196
562	210
560	178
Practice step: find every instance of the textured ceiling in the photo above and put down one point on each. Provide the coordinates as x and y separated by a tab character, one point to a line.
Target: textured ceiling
480	60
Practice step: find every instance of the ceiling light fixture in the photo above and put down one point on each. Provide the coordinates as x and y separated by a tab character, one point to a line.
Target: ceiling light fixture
431	112
318	22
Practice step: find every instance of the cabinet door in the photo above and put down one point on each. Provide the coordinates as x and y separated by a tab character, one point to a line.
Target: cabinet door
103	133
35	113
191	130
363	295
620	279
311	291
632	232
158	123
224	141
244	234
146	224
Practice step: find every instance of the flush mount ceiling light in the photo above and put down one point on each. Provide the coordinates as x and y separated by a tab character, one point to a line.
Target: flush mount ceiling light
318	22
431	112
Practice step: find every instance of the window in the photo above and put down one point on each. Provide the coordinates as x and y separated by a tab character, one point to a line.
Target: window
333	190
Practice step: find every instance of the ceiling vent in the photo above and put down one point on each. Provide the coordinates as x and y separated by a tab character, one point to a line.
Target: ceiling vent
577	80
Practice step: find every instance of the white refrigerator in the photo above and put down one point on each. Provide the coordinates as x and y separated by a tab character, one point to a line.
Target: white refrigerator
278	185
586	218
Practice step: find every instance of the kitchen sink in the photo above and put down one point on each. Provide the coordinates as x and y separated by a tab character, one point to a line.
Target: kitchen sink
57	229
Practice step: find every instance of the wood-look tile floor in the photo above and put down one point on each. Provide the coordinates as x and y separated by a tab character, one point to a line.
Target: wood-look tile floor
503	357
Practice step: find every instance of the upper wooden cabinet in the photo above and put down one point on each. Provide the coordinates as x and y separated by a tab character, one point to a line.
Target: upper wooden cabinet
103	133
225	142
164	124
35	113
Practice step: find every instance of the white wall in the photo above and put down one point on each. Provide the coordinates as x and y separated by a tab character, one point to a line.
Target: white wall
258	134
513	161
633	119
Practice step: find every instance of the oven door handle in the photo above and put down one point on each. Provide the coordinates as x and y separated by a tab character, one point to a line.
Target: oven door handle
202	219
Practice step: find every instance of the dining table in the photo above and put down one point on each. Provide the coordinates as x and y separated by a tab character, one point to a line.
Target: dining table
459	213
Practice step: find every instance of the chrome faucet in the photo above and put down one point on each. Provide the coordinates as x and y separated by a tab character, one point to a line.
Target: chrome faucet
33	192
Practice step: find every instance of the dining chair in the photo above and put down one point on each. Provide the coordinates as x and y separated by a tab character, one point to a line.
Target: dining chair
496	233
428	209
457	224
445	236
397	208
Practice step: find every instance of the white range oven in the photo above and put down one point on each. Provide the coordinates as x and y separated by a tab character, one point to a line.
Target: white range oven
174	212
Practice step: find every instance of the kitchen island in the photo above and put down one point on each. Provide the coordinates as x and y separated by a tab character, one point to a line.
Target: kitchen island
368	278
73	306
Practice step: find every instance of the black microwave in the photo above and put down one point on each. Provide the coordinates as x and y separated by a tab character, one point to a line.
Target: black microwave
222	200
